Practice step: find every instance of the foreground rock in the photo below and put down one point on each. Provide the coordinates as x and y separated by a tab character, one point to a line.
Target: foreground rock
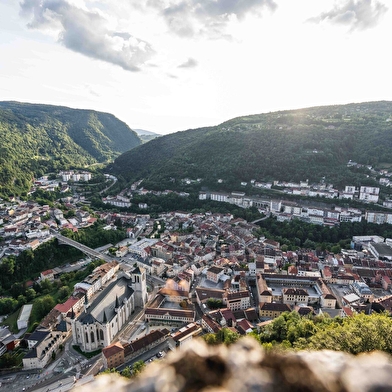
245	367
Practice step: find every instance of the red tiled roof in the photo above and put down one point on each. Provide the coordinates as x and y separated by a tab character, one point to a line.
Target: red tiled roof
112	349
67	305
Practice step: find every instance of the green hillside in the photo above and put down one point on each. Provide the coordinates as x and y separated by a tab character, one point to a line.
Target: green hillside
36	139
288	145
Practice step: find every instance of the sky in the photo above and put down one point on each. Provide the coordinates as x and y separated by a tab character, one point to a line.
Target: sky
171	65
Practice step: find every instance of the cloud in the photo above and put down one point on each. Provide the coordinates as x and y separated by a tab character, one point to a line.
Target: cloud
188	18
86	32
190	63
357	14
91	91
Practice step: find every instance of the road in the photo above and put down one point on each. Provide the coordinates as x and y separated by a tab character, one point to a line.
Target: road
109	186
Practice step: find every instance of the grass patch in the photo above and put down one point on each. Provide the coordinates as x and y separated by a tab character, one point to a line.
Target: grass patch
11	321
88	355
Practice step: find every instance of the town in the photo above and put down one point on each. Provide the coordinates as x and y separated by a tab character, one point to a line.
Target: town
179	276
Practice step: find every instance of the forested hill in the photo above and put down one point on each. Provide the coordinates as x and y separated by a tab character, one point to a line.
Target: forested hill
36	139
287	145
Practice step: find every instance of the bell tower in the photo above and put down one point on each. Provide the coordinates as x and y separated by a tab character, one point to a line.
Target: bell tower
139	283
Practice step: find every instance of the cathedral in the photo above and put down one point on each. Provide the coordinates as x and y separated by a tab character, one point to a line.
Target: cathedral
110	311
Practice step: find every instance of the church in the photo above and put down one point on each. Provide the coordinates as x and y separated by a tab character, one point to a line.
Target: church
110	311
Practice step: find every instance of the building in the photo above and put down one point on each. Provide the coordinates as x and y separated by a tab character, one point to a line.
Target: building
272	310
381	251
185	334
238	300
214	273
24	315
169	316
369	194
294	296
204	294
378	217
41	345
48	274
113	355
7	340
362	290
263	291
102	320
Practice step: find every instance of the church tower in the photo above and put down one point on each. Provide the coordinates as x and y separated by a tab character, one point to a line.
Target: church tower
139	284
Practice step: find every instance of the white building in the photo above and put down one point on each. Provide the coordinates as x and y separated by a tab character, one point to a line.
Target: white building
41	345
23	319
369	194
101	321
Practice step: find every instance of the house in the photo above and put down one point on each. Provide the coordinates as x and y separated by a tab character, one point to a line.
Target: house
244	327
209	324
185	334
113	355
7	341
362	290
121	251
295	296
214	273
48	274
238	300
328	301
73	304
272	310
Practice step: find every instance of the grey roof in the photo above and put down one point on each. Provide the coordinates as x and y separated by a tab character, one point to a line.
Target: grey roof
62	326
383	249
105	303
38	336
31	354
137	271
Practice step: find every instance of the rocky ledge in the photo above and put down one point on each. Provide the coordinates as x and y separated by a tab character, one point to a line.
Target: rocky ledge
245	367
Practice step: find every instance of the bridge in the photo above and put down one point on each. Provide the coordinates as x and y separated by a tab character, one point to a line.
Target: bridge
261	219
83	248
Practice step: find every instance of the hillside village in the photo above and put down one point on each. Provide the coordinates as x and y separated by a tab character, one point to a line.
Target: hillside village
181	275
203	272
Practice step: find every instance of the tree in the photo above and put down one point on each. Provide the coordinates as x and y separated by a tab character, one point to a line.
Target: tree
30	294
42	306
21	300
137	368
214	303
17	289
64	292
225	336
46	286
7	305
127	372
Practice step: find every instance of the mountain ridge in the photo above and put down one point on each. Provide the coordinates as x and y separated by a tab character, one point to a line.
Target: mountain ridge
39	138
311	143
